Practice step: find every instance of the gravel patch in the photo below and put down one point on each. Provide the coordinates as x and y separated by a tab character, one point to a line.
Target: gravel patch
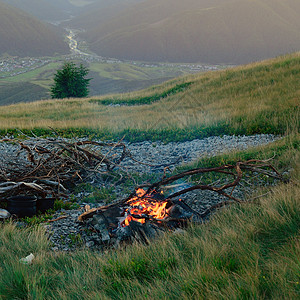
68	234
162	155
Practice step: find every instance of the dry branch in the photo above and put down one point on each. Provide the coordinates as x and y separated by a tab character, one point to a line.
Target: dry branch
57	219
257	166
55	164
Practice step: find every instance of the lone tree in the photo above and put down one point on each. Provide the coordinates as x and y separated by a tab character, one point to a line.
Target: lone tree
70	82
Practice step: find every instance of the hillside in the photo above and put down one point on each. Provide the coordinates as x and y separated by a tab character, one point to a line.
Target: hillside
256	98
42	9
245	250
23	35
218	31
100	12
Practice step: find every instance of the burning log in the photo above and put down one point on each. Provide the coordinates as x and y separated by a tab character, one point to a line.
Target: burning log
146	212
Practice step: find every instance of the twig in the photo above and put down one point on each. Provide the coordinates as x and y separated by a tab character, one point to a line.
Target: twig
57	219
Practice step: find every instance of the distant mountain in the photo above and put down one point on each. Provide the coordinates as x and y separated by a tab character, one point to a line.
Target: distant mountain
62	4
211	31
46	10
57	10
24	35
100	11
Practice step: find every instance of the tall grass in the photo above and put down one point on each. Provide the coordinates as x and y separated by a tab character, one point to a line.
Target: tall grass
245	251
257	98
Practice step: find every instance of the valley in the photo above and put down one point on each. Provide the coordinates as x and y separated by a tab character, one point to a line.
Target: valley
110	75
134	44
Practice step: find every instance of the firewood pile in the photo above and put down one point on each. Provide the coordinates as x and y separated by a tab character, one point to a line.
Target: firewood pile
49	166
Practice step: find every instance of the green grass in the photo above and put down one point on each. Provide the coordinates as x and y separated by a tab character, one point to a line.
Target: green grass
146	99
257	98
245	251
97	194
166	135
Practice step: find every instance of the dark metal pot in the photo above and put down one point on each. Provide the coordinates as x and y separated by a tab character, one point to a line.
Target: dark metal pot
22	206
43	204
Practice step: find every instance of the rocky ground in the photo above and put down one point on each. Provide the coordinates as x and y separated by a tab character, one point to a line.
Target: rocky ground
68	234
162	155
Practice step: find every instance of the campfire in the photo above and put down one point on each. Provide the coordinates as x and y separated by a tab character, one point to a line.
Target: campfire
147	212
144	207
143	216
51	167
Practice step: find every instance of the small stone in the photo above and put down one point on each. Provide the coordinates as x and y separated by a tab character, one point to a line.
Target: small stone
4	214
105	236
123	233
179	231
89	244
98	219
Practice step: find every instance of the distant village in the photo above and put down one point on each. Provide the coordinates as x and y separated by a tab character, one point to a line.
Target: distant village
14	66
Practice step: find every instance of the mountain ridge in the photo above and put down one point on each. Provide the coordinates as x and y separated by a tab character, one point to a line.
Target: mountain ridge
42	9
23	35
230	31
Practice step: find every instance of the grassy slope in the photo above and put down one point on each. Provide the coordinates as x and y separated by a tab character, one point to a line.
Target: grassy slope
119	71
248	251
262	97
24	35
117	77
22	91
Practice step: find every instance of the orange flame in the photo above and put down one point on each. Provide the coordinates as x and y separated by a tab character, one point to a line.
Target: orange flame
144	207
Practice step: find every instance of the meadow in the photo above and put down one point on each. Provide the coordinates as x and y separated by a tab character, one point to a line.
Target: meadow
261	97
245	251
